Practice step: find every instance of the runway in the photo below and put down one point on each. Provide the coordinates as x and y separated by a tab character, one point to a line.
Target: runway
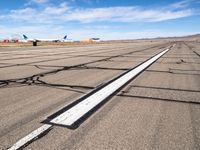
159	109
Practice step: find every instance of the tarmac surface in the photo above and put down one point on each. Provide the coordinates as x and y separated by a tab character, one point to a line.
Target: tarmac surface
159	109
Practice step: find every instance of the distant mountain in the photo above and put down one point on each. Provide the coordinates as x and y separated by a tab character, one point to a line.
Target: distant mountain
195	37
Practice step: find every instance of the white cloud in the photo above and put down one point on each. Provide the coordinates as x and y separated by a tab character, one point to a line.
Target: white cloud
182	4
27	14
125	14
37	21
64	13
56	10
39	1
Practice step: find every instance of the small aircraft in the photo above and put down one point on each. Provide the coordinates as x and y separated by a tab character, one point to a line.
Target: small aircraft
26	39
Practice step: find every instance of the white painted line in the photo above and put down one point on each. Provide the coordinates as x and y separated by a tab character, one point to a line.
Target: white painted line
30	137
69	117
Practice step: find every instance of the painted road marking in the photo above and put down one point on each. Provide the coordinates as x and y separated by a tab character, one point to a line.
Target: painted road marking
69	117
30	137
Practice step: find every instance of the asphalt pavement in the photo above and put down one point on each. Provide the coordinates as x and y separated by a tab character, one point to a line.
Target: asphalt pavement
159	109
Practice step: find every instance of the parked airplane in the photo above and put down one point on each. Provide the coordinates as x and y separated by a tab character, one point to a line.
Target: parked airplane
26	39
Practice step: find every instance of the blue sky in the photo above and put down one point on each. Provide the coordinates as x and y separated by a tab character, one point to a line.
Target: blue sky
107	19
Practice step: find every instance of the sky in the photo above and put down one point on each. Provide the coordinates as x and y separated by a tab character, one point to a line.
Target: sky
105	19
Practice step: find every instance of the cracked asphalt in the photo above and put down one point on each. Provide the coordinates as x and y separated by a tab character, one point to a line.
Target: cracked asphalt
160	109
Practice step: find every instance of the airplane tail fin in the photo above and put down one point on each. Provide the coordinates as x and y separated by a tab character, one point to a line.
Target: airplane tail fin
25	37
65	37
